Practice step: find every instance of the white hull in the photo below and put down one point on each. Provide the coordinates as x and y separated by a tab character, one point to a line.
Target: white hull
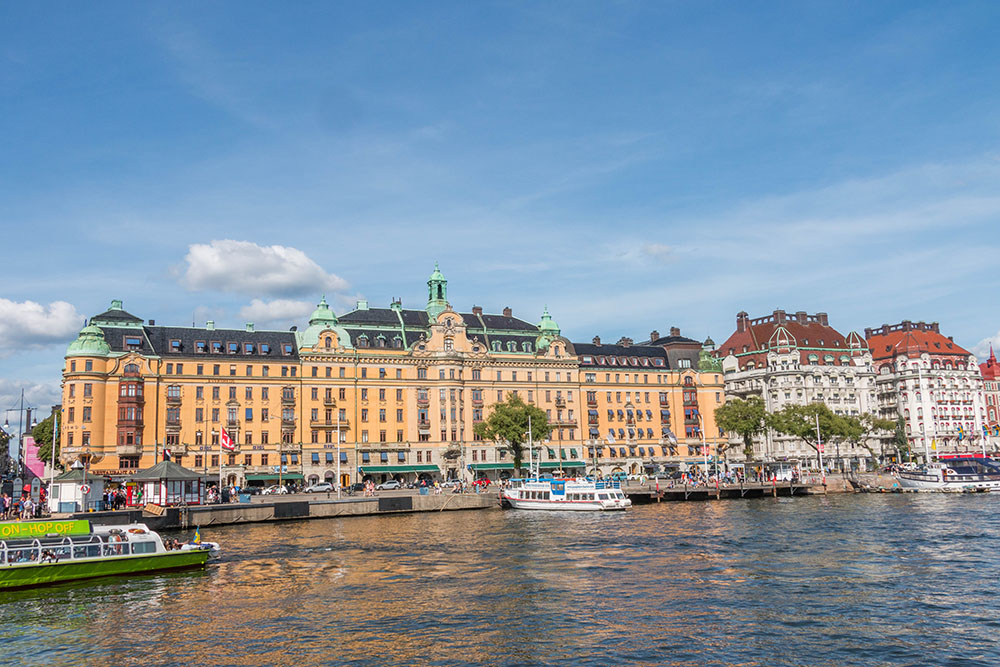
563	505
935	483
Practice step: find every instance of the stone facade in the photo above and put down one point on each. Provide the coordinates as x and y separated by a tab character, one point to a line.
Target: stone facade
796	359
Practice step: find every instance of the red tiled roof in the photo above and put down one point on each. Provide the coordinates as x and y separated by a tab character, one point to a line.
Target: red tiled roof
807	330
990	368
889	343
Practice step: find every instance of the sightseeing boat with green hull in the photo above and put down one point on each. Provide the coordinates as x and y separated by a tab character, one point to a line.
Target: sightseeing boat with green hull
37	553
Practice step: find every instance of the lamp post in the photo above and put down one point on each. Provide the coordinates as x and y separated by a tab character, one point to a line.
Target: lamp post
704	445
19	464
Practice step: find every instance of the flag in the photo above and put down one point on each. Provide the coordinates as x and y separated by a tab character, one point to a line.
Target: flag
611	438
197	536
934	444
996	430
961	433
985	432
166	454
226	442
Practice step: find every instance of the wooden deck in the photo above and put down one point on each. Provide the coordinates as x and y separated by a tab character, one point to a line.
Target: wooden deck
649	494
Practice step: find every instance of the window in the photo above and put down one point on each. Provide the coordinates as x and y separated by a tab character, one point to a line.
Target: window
88	389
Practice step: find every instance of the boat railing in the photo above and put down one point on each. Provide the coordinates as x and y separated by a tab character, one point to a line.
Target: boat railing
66	548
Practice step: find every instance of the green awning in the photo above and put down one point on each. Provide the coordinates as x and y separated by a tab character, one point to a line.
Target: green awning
493	466
562	464
572	453
370	470
273	477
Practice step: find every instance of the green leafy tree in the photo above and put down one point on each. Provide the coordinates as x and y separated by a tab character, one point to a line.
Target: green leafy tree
799	421
42	433
858	430
746	419
507	425
900	441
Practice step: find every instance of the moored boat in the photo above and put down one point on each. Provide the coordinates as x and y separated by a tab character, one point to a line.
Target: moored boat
963	473
36	553
573	495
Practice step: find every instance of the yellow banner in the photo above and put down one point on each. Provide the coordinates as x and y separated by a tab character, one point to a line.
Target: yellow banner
29	529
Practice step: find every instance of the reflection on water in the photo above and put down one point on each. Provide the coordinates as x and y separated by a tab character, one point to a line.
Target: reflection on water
836	580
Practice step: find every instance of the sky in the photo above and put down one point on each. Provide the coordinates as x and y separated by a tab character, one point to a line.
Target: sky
631	165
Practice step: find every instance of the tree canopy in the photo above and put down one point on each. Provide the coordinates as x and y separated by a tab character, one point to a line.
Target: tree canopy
42	433
507	425
858	430
800	421
744	418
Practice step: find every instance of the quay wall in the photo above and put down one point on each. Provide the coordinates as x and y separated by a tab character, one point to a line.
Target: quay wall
292	509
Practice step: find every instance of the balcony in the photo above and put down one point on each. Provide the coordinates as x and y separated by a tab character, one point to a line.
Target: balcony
591	402
173	400
287	400
287	423
664	402
173	425
288	447
560	402
130	423
329	401
424	426
476	402
129	450
232	424
344	424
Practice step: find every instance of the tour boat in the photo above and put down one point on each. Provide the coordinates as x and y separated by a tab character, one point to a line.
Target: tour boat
36	553
964	473
574	495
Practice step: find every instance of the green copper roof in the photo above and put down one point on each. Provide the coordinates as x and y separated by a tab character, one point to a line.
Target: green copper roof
89	343
322	314
548	325
437	293
437	275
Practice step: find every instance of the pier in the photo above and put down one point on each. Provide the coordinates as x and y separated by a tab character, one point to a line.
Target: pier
297	508
640	495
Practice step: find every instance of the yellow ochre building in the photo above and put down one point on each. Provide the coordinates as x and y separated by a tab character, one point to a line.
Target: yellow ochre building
379	393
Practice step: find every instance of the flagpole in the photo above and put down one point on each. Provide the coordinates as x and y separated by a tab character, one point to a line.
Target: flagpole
338	453
220	461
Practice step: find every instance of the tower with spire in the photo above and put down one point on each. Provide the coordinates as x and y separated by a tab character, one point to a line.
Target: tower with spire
437	293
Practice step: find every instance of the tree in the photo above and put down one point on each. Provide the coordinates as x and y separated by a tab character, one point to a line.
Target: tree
859	429
900	441
42	434
744	418
508	426
800	421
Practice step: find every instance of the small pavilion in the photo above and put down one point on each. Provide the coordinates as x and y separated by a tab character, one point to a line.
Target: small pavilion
68	495
167	483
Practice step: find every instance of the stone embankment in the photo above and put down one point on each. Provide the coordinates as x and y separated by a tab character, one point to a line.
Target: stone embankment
293	508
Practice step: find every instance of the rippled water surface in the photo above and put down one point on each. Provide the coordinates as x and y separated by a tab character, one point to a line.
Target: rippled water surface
837	580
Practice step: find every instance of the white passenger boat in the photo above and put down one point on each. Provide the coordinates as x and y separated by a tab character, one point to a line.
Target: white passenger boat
575	495
953	474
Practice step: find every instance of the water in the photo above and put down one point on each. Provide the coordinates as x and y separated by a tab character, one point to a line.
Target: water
837	580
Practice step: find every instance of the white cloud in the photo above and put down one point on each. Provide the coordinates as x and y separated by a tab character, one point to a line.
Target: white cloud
38	395
660	251
30	324
282	311
244	267
982	348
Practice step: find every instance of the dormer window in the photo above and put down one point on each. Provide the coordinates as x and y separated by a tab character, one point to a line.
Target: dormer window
216	347
287	350
380	341
175	346
497	346
397	342
363	340
133	342
587	359
247	348
526	347
233	348
200	347
511	346
265	348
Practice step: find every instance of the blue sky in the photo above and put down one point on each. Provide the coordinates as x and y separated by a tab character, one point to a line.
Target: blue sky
634	166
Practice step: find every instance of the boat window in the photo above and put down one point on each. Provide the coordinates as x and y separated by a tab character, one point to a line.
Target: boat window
144	547
602	496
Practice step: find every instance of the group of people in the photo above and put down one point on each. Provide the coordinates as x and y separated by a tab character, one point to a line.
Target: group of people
116	499
19	508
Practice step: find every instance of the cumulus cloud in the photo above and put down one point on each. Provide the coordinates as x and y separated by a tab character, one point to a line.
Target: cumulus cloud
660	251
39	395
982	348
244	267
281	311
29	324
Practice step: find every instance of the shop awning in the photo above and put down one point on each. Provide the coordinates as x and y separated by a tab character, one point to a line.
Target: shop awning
273	477
495	466
549	465
371	470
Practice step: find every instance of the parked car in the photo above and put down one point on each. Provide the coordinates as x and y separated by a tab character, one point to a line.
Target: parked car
275	490
390	485
448	483
357	487
322	487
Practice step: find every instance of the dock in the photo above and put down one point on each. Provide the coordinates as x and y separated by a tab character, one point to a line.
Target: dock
297	508
640	495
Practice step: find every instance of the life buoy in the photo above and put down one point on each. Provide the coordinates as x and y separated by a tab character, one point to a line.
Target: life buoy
137	531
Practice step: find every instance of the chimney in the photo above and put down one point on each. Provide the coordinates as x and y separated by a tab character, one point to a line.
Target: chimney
249	326
802	316
597	340
779	316
507	312
653	335
362	305
935	328
907	325
625	342
210	325
152	323
868	332
477	310
742	321
823	319
675	331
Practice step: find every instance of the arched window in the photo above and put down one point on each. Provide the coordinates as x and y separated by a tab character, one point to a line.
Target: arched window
813	359
363	340
511	346
449	344
328	342
380	341
497	346
131	369
526	347
397	342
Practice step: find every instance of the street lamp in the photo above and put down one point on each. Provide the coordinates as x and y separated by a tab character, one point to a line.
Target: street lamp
19	464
